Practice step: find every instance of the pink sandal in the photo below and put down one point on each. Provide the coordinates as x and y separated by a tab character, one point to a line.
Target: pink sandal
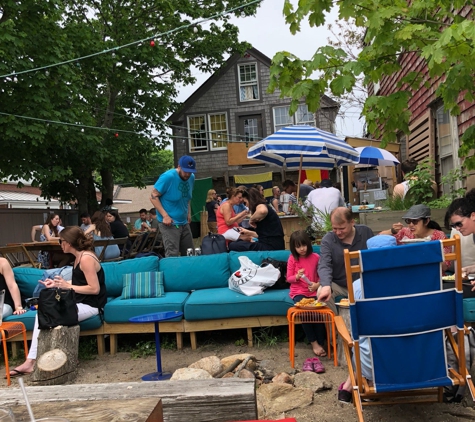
318	366
308	365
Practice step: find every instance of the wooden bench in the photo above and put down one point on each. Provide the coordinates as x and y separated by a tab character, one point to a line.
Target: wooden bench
212	400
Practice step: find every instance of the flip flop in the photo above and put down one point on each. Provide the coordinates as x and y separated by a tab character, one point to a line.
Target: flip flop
17	373
322	354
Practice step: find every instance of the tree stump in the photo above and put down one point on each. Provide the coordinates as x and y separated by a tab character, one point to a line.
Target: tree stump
57	357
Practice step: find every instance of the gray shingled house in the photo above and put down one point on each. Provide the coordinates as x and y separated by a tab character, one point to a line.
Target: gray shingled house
232	109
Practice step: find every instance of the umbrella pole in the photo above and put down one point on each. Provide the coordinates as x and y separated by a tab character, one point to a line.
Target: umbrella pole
300	174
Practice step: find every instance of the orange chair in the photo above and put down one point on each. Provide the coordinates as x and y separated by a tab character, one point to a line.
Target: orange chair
312	316
9	330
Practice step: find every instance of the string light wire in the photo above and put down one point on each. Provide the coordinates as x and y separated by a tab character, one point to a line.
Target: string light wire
171	31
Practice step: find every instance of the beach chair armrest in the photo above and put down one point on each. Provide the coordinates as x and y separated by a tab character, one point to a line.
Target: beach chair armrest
343	331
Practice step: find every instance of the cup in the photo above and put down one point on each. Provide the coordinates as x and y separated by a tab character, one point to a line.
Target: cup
6	415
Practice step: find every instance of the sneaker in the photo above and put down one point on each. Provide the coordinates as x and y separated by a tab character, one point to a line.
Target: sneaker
343	395
318	366
308	365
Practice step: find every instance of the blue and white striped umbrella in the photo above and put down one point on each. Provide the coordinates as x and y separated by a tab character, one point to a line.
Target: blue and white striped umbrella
318	149
376	157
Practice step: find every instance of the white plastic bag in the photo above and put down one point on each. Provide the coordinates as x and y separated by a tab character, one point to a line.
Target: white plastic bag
251	279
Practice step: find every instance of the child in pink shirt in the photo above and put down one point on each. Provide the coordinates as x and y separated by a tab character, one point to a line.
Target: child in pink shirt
303	261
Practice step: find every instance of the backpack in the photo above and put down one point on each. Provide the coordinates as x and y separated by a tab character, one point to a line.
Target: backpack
213	243
281	282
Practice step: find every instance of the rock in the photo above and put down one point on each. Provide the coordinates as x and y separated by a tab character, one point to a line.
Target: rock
245	373
251	365
211	364
190	374
278	398
282	378
316	382
228	375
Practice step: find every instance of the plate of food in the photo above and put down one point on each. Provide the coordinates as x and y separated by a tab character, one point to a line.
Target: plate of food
344	303
414	240
310	303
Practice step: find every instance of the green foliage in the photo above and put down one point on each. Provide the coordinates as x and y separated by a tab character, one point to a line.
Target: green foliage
269	336
442	202
87	348
435	30
240	342
143	349
132	90
421	183
396	203
453	178
317	222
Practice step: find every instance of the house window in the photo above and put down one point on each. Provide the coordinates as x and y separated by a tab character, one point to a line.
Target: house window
197	131
447	143
248	82
301	117
218	126
208	132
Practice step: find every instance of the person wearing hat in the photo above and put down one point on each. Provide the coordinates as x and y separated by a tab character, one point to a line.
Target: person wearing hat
171	197
419	226
325	199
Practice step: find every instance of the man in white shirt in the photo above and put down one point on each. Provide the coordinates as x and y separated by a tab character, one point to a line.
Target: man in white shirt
325	199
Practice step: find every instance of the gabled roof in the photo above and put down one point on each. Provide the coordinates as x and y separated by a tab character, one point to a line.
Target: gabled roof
213	79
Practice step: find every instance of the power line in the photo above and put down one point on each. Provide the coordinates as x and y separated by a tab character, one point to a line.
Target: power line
114	49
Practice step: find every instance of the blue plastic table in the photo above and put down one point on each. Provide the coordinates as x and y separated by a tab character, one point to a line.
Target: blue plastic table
156	318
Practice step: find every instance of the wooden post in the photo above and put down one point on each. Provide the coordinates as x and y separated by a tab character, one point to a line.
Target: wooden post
203	224
57	357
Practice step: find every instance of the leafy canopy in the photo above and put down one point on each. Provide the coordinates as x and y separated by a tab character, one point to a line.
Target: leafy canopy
128	91
441	32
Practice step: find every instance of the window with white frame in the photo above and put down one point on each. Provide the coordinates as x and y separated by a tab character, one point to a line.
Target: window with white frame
248	82
208	132
301	117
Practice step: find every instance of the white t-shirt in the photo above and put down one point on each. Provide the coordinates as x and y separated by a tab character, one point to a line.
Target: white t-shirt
325	200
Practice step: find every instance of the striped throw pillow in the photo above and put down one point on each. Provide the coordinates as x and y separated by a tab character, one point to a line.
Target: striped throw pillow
143	285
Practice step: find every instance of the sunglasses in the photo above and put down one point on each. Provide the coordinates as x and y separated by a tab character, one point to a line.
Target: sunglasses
457	225
60	241
413	221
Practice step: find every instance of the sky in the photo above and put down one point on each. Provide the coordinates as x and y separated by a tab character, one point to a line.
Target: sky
268	33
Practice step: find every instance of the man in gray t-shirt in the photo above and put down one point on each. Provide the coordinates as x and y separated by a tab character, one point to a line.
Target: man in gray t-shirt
331	266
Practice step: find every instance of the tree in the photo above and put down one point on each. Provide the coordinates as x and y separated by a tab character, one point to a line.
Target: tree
441	33
113	104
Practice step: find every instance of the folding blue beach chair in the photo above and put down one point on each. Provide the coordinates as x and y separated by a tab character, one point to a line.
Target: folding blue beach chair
405	316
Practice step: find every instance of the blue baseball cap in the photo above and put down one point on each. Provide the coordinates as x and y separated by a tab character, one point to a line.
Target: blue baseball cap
187	164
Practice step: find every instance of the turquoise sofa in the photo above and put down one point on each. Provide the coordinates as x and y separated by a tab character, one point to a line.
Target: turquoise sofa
196	286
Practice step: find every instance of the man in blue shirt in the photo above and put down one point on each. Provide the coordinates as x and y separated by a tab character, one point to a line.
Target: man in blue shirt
171	197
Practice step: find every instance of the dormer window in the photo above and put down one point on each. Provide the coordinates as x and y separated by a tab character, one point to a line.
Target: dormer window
248	82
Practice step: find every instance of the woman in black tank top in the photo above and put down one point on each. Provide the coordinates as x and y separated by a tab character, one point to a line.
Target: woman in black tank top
88	282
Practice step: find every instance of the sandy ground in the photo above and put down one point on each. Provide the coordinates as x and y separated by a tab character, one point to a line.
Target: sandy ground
123	368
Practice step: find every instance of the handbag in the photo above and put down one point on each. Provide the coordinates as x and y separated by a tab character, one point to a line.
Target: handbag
251	279
213	243
57	307
281	282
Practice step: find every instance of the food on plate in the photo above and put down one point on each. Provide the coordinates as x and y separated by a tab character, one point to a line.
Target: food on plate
363	207
281	213
310	302
344	302
448	277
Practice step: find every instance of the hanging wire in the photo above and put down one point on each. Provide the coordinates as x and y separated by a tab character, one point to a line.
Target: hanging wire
153	37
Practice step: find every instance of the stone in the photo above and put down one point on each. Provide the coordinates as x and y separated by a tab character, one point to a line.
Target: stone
282	378
228	375
228	360
245	373
316	382
190	374
278	398
211	364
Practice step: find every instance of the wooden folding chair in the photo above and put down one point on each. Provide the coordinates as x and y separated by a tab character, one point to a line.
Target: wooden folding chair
137	246
402	317
18	256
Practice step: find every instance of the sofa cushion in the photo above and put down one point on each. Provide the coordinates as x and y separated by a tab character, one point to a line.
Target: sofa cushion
28	319
187	273
224	303
118	310
115	270
257	257
143	285
27	279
